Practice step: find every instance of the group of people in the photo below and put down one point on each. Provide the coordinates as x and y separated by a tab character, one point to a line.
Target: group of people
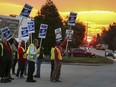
11	52
7	59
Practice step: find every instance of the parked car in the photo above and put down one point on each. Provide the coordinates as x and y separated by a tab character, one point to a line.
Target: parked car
108	53
101	46
98	47
114	54
80	52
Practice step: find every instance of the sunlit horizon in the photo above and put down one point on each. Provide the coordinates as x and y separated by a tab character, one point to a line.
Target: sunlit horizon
96	19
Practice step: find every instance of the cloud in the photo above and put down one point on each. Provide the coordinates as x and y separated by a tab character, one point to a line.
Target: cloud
96	18
9	8
104	17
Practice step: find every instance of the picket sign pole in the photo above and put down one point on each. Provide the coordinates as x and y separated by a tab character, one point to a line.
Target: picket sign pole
67	46
14	34
40	43
67	41
21	22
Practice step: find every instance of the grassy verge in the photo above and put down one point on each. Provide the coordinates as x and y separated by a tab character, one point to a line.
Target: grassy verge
96	60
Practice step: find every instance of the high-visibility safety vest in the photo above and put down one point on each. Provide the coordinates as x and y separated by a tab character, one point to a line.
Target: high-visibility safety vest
31	57
59	53
28	49
52	54
2	49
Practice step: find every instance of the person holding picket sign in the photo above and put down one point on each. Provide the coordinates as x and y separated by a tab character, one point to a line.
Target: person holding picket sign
39	61
21	60
52	61
32	53
58	57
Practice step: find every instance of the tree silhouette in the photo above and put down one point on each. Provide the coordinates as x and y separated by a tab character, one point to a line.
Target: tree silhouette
110	36
48	15
79	34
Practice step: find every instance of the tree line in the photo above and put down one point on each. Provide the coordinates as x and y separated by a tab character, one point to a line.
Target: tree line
108	37
49	15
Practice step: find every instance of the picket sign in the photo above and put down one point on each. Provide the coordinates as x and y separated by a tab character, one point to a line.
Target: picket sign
31	27
72	19
58	34
42	32
6	33
67	42
71	22
23	16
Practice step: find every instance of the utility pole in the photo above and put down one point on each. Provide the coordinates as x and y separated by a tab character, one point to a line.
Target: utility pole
87	34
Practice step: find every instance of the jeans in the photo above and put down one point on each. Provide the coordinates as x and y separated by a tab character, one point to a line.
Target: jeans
39	61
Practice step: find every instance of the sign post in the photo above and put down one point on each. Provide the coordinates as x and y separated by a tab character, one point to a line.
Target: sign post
25	13
71	22
42	32
69	34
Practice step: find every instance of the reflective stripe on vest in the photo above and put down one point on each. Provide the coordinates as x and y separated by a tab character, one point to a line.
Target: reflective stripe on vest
52	54
2	49
59	53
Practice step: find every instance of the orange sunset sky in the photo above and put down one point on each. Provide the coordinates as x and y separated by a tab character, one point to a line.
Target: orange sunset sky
97	13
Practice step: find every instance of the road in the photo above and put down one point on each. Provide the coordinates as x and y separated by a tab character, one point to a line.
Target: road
70	76
77	75
73	75
100	53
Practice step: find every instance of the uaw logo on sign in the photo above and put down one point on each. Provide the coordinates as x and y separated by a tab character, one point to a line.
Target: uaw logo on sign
26	10
69	34
31	26
58	34
43	30
24	32
6	33
72	18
